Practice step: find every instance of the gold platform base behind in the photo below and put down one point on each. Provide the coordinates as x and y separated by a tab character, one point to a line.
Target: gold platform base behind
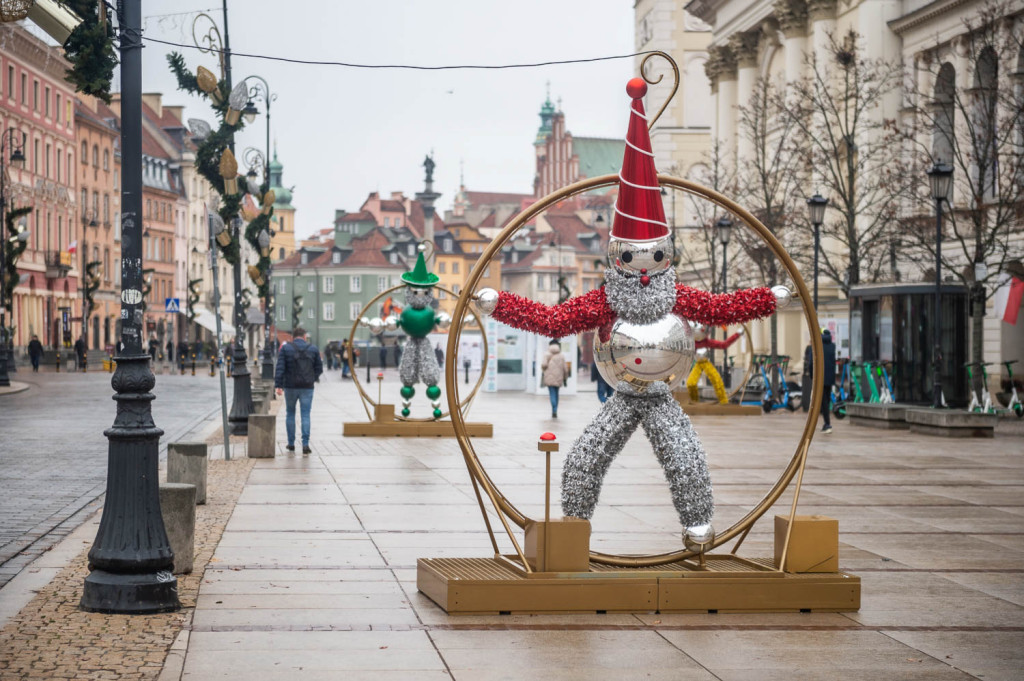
729	584
385	425
715	408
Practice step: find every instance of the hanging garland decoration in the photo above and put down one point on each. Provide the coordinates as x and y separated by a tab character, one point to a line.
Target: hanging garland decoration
219	171
90	49
12	252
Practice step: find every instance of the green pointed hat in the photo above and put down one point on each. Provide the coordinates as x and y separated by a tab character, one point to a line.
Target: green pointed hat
419	275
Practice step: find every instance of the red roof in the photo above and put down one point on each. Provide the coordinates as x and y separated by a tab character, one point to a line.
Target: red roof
361	216
150	145
568	228
392	206
488	198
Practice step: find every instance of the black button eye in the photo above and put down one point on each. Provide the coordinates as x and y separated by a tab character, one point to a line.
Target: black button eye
658	256
627	257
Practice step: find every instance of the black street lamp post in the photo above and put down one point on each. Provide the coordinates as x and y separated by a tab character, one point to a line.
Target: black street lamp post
816	207
723	229
11	140
940	178
131	560
261	90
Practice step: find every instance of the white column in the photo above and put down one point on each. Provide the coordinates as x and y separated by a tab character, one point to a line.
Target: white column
726	124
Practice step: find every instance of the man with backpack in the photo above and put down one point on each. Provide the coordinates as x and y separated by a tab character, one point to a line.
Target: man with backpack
298	369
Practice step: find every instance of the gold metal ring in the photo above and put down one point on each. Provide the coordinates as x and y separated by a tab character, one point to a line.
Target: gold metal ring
796	464
367	400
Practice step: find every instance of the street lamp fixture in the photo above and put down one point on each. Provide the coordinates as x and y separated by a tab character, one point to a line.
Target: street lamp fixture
18	157
816	208
250	112
940	177
723	230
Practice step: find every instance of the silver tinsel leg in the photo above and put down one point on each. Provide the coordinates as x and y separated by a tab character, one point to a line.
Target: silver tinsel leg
681	454
427	369
594	451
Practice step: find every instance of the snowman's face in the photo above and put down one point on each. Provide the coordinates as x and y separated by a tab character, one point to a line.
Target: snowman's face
418	297
638	258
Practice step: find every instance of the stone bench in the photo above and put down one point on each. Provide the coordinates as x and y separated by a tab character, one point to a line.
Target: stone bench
262	436
875	415
178	508
951	423
187	463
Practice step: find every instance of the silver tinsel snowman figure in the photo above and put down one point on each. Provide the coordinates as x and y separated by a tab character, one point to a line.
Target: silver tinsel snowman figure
644	345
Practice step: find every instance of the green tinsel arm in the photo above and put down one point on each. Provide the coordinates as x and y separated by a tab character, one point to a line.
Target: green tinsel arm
186	79
90	49
12	252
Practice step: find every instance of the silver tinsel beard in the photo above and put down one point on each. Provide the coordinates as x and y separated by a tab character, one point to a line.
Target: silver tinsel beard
675	443
640	304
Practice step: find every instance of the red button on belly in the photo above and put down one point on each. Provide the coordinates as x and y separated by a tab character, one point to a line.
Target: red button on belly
638	360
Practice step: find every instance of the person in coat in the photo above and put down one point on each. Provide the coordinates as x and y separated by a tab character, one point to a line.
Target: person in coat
554	374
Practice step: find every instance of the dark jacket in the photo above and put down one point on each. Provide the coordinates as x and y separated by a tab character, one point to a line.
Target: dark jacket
35	348
828	357
284	375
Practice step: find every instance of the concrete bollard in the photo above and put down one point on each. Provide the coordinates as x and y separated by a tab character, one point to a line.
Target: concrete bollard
178	507
187	462
261	405
262	433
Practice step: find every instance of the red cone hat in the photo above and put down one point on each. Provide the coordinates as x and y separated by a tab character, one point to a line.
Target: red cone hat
639	214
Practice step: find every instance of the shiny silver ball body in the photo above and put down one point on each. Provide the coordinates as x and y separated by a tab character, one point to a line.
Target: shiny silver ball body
644	354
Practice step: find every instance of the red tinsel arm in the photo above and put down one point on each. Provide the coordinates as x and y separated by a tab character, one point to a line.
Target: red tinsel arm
717	344
575	315
723	308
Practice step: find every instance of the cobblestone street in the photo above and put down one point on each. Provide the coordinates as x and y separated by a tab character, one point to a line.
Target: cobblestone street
53	455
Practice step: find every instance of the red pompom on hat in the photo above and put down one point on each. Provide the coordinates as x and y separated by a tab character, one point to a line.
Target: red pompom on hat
639	213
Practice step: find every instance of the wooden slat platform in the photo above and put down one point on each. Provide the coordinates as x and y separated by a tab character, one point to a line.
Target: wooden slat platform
413	429
729	584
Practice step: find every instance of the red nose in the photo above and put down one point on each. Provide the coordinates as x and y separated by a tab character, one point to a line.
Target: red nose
643	271
645	280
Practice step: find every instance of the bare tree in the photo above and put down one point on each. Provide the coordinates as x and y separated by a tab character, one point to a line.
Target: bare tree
698	250
769	178
837	109
979	131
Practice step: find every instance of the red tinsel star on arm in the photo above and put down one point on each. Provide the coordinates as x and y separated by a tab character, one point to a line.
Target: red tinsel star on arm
575	315
723	308
717	344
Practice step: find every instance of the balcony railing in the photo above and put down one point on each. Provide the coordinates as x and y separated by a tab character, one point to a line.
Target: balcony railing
58	263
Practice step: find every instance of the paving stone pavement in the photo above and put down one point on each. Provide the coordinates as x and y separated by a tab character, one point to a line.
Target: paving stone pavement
53	455
314	577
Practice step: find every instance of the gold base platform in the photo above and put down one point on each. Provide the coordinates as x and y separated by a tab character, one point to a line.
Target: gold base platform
729	583
715	408
385	425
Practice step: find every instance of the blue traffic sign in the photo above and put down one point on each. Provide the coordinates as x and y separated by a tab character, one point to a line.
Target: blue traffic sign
172	305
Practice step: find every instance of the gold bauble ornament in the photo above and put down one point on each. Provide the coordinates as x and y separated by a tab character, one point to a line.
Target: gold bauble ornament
255	275
208	84
229	171
268	201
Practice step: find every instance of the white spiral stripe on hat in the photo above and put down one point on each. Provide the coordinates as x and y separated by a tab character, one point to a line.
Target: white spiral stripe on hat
633	217
636	148
638	113
638	186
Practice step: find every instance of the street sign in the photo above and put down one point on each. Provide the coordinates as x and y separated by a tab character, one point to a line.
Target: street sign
172	305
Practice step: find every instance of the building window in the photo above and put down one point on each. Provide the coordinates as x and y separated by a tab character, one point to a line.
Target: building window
487	271
281	286
336	257
354	308
355	284
382	284
442	268
304	259
106	209
455	268
411	249
46	101
56	111
328	312
85	152
447	245
10	82
393	258
95	156
35	95
311	286
540	282
281	316
24	89
106	159
328	284
310	313
85	202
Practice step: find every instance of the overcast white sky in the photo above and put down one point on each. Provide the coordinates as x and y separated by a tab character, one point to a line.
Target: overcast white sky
342	133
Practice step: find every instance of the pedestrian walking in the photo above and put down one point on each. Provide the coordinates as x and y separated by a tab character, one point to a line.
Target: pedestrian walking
79	353
829	366
439	353
154	345
345	356
170	351
554	374
35	352
604	391
298	368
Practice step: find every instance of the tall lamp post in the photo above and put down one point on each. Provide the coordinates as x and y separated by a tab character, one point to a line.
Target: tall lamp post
261	90
723	230
11	140
940	177
816	207
131	559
